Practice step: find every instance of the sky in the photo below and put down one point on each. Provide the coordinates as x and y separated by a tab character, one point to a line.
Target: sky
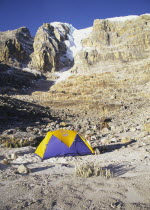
79	13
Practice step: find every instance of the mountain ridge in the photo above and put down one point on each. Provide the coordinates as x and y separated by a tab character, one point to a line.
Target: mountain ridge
59	45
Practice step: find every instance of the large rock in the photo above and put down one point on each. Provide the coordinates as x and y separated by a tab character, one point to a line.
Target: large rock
16	46
22	169
50	48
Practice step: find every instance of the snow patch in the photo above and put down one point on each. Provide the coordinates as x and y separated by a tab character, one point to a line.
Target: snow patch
32	71
61	29
78	36
74	42
75	38
63	75
124	18
59	25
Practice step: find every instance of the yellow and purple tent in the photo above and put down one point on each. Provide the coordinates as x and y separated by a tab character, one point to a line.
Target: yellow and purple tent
63	143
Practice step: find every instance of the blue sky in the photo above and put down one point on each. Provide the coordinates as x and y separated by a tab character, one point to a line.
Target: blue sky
80	13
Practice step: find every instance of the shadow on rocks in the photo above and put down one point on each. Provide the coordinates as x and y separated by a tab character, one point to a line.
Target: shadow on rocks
22	153
3	166
15	80
17	113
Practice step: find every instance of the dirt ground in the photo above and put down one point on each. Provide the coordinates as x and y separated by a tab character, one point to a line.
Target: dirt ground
53	184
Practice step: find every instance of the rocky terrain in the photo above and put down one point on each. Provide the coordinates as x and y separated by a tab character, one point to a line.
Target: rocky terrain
94	80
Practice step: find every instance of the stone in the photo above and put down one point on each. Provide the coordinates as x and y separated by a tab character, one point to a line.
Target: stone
22	169
125	140
133	129
113	140
104	140
63	124
93	137
8	132
97	151
57	126
5	161
14	156
116	205
147	127
113	128
88	132
88	137
105	131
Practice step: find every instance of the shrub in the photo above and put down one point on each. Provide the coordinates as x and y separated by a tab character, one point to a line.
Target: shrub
88	170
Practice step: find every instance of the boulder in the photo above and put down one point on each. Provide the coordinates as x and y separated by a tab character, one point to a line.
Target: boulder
97	151
147	127
14	156
5	161
22	169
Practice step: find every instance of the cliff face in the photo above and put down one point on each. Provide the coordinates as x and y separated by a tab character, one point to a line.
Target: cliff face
59	45
16	46
50	48
114	40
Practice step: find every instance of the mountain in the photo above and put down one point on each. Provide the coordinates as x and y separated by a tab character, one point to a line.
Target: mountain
110	74
97	82
58	46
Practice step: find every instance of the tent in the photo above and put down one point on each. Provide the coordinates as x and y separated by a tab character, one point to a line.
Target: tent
63	143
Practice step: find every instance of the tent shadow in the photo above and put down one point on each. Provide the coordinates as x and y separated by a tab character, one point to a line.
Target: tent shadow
112	147
22	153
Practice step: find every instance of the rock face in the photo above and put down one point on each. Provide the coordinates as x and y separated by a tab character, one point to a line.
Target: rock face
59	45
115	40
50	48
16	46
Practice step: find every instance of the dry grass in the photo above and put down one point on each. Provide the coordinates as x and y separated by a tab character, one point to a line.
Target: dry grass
88	170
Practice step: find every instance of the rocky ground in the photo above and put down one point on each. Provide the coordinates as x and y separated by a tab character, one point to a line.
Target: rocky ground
110	109
53	184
